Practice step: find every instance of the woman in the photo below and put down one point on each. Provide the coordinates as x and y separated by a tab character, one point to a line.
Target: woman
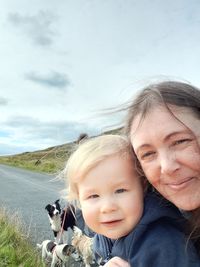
164	128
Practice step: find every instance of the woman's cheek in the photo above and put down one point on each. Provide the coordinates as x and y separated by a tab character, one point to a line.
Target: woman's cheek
190	157
198	141
152	174
194	158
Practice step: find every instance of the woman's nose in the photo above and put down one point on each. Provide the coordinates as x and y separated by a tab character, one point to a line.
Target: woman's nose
169	163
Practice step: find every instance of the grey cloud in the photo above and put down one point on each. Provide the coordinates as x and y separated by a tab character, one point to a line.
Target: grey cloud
49	132
37	27
6	149
52	79
3	101
19	121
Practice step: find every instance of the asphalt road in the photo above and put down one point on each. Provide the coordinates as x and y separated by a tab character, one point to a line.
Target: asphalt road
27	193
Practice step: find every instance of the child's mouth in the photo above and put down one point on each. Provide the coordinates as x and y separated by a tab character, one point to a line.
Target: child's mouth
111	223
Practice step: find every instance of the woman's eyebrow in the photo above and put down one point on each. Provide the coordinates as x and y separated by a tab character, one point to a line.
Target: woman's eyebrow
142	147
166	138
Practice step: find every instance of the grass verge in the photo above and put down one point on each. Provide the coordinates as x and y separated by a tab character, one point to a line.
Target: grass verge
15	248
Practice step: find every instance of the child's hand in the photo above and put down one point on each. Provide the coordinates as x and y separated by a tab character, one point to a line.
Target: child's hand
117	262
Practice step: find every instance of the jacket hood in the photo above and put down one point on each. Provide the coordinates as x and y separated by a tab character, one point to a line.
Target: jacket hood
156	209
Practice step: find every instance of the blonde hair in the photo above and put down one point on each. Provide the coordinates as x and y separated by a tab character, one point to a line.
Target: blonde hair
89	154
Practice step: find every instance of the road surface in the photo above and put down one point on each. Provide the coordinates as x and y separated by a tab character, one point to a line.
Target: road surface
27	193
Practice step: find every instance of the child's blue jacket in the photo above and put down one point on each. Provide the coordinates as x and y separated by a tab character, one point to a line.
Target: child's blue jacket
157	241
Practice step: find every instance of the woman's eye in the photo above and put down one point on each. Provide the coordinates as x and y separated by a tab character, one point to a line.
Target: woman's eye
181	141
147	155
121	190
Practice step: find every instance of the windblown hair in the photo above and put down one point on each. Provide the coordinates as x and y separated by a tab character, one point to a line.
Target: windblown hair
164	93
89	154
168	93
194	229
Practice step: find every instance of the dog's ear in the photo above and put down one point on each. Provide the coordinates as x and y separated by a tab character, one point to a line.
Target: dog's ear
78	231
57	200
48	207
68	250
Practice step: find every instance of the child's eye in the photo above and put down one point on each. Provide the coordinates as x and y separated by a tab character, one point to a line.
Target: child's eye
93	196
121	190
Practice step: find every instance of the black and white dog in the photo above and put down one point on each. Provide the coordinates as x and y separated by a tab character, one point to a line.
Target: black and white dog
61	220
54	253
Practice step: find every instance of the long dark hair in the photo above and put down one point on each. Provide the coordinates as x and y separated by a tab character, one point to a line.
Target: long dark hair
168	93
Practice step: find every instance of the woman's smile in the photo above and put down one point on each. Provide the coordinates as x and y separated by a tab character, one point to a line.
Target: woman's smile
182	184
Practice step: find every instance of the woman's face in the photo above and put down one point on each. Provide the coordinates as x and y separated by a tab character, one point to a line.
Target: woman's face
167	147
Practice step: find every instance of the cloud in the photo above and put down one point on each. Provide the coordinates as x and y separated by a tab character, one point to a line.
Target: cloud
35	132
11	149
3	101
52	79
37	27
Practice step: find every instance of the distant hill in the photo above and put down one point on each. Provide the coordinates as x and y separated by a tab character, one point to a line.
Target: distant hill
51	160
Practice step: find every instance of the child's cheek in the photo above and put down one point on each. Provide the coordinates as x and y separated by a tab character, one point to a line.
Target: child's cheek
90	216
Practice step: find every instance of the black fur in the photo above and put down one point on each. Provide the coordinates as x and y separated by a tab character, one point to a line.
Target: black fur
50	246
56	215
70	220
53	209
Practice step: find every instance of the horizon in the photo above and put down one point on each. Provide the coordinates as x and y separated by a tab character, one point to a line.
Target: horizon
65	63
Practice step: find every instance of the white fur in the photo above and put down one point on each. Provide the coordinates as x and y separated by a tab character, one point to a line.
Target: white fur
55	222
83	245
57	255
46	255
56	225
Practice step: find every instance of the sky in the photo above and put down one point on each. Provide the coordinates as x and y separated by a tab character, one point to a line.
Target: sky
64	62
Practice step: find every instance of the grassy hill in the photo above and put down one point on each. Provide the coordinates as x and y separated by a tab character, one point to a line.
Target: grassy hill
50	160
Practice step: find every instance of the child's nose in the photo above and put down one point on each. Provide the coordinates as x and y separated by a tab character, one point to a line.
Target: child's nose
108	205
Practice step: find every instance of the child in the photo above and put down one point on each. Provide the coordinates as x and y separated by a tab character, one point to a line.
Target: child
137	226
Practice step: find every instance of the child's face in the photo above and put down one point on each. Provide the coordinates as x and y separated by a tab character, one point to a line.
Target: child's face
111	197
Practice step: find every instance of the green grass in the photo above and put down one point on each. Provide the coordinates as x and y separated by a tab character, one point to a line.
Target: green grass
15	248
51	160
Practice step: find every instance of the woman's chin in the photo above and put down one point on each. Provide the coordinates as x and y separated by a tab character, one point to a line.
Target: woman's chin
185	197
186	204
